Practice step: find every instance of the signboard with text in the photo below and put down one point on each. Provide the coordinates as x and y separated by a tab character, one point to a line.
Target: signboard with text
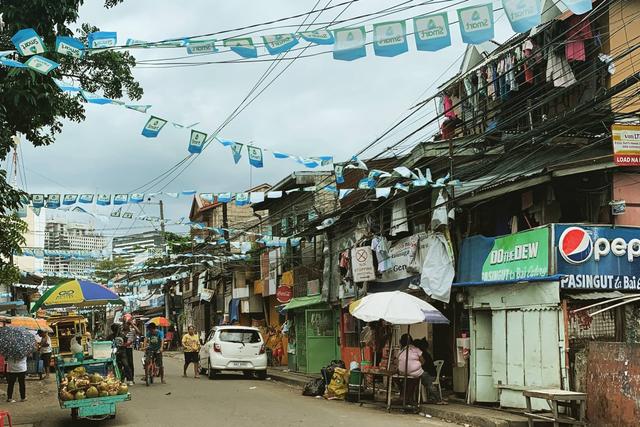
598	258
362	264
515	256
626	144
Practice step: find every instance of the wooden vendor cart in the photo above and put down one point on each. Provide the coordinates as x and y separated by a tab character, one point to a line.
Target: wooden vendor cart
95	408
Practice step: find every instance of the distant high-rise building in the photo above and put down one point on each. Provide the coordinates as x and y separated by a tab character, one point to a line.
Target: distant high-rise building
135	248
33	239
80	237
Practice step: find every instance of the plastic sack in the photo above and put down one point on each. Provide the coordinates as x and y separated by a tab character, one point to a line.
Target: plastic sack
338	387
314	387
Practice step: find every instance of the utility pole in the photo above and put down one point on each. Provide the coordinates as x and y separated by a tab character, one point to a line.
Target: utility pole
162	218
167	292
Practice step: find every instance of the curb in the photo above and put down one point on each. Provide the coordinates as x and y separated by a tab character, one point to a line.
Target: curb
292	380
470	419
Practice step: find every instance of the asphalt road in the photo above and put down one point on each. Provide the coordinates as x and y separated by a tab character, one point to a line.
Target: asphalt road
189	402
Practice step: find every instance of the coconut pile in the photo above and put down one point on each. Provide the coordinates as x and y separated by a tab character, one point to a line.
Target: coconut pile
78	385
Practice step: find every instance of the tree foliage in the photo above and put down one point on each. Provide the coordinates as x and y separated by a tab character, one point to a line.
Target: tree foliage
108	269
30	103
12	231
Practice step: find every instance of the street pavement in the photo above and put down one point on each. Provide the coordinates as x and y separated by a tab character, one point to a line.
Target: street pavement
189	402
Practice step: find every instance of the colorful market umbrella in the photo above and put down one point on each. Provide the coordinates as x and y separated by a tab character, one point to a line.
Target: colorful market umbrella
16	342
163	322
77	293
29	323
396	307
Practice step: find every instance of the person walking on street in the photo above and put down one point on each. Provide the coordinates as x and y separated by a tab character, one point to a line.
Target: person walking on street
131	332
45	351
118	340
16	371
191	348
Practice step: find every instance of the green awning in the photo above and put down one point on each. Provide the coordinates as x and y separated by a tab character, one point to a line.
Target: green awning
303	302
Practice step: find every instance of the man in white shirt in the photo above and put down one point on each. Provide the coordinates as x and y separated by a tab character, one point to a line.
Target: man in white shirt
16	371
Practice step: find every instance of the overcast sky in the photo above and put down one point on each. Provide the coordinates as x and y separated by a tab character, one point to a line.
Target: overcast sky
319	106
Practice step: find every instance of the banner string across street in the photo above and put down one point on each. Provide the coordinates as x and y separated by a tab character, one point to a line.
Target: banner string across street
431	33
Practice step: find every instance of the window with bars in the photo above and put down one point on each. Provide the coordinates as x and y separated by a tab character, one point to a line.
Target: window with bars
601	327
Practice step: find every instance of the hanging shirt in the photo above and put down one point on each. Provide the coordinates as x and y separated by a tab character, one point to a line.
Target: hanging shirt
380	246
527	51
448	107
579	31
558	70
495	80
438	271
510	72
399	217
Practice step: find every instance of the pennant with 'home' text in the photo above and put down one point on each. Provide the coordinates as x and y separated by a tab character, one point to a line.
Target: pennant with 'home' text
69	199
350	44
279	43
242	46
318	36
69	46
390	38
28	42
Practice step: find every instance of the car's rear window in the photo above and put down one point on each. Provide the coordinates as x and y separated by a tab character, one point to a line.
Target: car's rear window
246	336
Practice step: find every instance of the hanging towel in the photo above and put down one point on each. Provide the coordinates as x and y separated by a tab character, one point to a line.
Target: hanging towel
399	217
437	270
579	31
558	70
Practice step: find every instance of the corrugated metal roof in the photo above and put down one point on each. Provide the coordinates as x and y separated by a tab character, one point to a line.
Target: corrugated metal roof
596	295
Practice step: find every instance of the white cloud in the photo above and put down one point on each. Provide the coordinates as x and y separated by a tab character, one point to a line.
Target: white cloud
318	106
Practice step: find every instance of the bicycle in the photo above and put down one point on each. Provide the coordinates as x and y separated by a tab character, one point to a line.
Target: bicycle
150	368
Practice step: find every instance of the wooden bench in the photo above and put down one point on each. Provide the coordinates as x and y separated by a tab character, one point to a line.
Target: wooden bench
557	398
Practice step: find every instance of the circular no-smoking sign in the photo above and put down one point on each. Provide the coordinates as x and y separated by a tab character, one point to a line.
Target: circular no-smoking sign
361	255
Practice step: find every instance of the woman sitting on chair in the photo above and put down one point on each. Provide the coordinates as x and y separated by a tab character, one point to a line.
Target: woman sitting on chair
410	363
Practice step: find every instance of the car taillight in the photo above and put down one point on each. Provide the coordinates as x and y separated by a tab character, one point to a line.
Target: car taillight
217	348
262	349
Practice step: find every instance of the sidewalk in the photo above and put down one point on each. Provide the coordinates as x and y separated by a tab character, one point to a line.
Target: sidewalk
476	416
283	375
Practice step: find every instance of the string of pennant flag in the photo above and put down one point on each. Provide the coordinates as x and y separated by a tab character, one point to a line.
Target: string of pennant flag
411	179
431	33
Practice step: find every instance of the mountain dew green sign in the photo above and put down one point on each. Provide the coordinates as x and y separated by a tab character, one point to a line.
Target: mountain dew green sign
518	256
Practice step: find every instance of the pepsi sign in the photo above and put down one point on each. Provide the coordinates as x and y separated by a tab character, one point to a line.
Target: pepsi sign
598	257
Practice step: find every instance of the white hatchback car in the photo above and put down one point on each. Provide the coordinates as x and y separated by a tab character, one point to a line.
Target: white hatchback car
234	348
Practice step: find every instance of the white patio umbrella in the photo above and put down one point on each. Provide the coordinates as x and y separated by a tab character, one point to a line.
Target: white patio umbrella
398	308
395	307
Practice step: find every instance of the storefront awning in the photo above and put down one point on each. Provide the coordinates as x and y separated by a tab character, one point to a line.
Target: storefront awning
300	302
11	305
553	278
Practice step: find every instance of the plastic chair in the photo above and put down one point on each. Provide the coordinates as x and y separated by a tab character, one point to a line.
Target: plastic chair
4	414
438	364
